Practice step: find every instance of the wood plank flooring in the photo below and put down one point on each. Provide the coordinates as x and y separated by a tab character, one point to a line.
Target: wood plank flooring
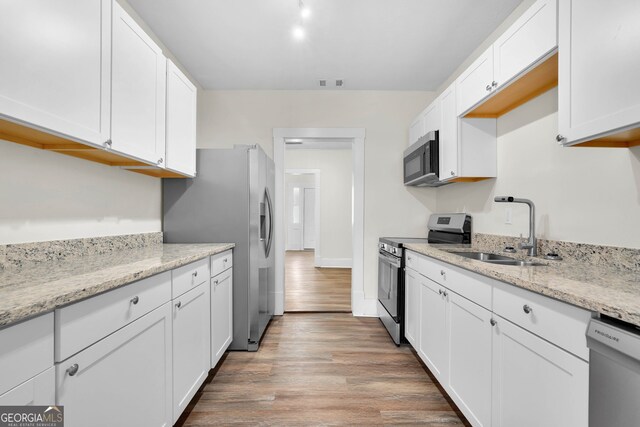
322	369
308	288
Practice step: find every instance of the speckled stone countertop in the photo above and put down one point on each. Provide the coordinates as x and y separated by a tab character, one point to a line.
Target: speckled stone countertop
611	291
35	288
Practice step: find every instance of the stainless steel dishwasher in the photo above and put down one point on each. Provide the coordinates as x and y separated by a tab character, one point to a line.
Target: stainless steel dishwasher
614	373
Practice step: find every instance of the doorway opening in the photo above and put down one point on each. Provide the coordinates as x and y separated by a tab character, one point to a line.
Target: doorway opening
321	261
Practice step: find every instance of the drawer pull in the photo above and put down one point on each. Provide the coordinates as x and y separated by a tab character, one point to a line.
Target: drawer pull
442	272
440	291
493	322
72	370
225	260
527	309
179	304
195	273
134	300
409	258
215	282
446	294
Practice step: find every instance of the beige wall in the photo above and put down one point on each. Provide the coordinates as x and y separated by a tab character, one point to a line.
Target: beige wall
587	195
336	173
226	118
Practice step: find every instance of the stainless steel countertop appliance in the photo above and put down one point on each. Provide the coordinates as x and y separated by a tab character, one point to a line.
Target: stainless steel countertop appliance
614	373
443	229
231	201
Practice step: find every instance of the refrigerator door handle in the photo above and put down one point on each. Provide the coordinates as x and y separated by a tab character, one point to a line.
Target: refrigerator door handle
270	209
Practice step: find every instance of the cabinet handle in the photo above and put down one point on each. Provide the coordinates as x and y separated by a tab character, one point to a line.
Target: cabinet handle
494	83
215	282
409	258
72	370
559	138
224	260
195	274
446	294
440	291
160	160
493	322
527	309
488	88
108	143
452	173
442	273
134	300
179	304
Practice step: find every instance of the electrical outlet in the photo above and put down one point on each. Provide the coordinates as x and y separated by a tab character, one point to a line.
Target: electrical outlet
508	214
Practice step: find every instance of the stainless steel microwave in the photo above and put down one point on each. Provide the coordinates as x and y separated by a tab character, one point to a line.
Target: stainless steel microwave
421	161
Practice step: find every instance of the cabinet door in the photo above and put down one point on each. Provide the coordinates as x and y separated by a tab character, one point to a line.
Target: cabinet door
39	390
191	345
181	122
536	383
529	39
475	83
411	307
138	91
470	378
221	314
56	60
448	134
599	64
433	331
416	130
432	117
125	376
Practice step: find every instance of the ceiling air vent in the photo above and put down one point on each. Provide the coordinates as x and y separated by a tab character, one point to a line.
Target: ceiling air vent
339	82
323	83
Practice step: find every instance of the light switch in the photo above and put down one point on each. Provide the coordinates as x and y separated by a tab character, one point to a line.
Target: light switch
507	216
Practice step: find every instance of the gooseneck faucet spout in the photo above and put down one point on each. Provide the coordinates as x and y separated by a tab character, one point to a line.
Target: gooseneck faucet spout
532	243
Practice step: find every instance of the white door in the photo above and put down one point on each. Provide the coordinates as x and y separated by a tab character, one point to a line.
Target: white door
221	314
412	308
191	345
470	377
534	382
599	65
309	218
475	83
125	376
295	216
181	121
433	332
56	62
138	91
448	134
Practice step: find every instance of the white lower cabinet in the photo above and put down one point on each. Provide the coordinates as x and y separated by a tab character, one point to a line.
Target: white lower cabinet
123	379
536	383
412	307
221	314
433	328
191	335
469	379
39	390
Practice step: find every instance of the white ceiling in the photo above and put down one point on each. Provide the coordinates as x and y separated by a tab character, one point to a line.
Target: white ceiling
371	44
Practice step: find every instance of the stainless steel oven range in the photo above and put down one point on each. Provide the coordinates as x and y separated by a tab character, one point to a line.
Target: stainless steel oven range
443	229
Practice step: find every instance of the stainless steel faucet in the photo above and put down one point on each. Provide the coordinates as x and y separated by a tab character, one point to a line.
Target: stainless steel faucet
532	243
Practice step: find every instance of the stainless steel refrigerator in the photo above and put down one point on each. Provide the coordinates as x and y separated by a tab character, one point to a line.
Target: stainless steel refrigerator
230	200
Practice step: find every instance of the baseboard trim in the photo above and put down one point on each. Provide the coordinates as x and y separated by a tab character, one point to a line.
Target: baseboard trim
333	262
363	307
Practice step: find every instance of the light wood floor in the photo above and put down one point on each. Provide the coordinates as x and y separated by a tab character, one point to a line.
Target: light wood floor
308	288
322	369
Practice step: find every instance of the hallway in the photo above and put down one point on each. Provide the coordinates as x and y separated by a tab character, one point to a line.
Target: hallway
311	289
322	369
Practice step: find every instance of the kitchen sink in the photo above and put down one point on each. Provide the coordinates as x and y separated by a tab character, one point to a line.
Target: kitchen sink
497	259
483	256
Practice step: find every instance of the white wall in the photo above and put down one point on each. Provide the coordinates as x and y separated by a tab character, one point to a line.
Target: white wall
336	173
226	118
586	195
50	196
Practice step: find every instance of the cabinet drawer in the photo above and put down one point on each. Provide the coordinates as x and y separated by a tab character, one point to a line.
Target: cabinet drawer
221	262
472	286
79	325
26	349
557	322
39	390
189	276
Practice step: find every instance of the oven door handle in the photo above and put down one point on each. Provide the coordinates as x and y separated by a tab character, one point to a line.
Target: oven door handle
390	260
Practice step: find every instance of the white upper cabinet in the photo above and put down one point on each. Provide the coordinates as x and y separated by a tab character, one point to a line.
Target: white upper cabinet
138	84
416	129
432	117
448	134
529	39
599	65
56	60
181	122
476	82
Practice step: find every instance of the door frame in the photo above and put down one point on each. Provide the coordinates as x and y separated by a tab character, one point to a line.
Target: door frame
359	305
316	183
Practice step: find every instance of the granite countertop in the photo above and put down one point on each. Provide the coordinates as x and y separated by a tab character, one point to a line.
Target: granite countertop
611	291
36	288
